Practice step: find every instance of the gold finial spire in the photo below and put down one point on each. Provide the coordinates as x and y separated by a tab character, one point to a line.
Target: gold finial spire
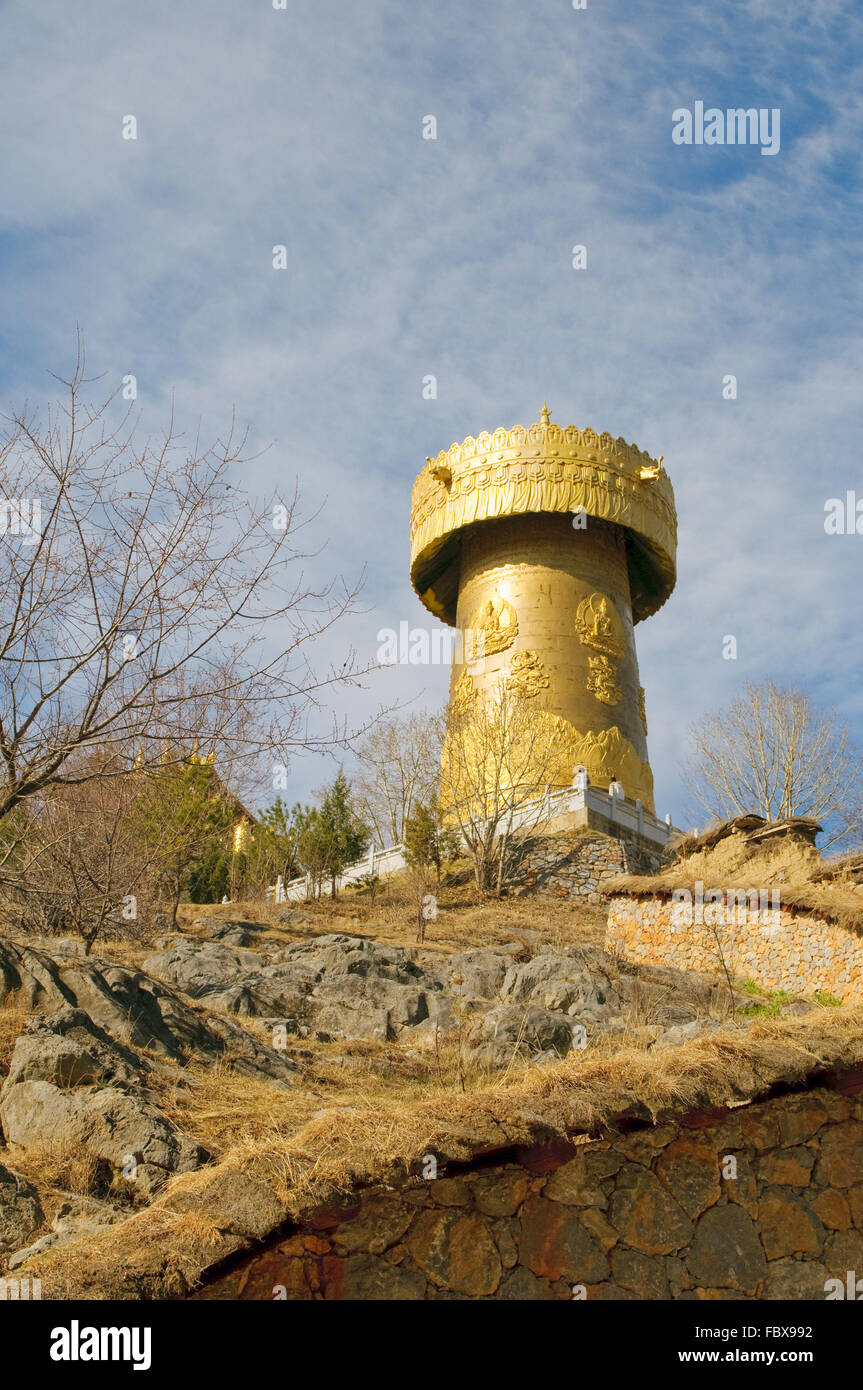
545	417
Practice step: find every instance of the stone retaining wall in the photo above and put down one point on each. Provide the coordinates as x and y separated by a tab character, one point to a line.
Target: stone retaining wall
761	1202
778	950
572	865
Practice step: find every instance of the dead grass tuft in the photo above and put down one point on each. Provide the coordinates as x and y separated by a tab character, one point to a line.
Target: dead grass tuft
14	1016
63	1165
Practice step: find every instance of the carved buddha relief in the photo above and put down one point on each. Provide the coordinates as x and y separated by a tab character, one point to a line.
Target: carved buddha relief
495	626
601	681
463	695
526	675
600	628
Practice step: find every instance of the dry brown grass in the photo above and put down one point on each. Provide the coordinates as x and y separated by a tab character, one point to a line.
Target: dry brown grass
62	1165
464	920
368	1132
14	1014
225	1111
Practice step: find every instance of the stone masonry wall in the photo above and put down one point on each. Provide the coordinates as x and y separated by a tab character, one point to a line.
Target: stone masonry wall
761	1202
572	865
783	950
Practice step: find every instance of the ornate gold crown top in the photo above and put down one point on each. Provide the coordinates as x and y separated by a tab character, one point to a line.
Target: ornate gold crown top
543	440
543	468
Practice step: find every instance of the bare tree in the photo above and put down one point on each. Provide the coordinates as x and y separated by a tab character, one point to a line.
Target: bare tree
147	601
399	767
499	755
81	866
421	886
848	836
771	752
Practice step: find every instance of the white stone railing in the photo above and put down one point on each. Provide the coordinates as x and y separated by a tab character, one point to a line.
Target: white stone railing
612	804
376	861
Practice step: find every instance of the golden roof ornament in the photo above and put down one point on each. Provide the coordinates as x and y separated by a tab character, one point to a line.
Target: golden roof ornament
543	468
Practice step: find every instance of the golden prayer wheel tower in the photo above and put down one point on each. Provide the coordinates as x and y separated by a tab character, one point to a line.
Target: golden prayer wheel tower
551	543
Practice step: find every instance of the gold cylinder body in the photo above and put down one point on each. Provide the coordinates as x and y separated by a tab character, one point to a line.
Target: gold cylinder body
548	608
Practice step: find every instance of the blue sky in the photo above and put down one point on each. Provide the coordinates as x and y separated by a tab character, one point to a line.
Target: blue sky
407	256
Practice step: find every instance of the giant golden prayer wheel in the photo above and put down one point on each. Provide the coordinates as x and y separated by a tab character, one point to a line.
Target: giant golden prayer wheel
551	544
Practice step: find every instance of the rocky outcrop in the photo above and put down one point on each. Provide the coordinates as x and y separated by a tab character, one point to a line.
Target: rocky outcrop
81	1086
341	986
70	1085
77	1216
134	1009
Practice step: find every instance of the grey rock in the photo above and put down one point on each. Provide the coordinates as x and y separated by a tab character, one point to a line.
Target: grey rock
20	1210
76	1217
70	1050
685	1032
291	916
71	1084
339	986
217	926
562	983
199	968
477	973
115	1122
234	936
35	1114
132	1007
545	1059
245	1054
333	985
507	1030
664	985
364	1023
37	1248
443	1014
670	1015
121	1127
405	1004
